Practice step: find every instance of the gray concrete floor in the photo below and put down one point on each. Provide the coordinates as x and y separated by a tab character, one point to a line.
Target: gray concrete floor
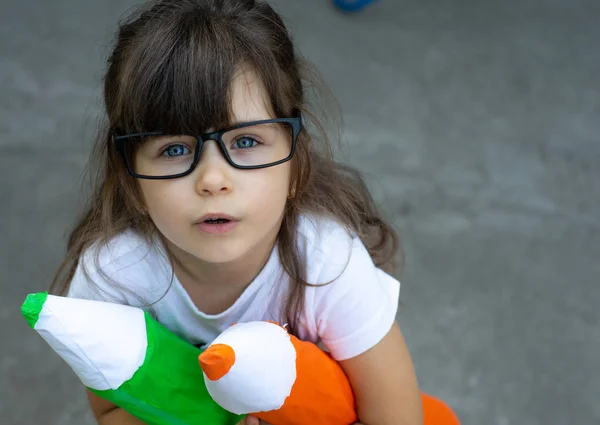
478	126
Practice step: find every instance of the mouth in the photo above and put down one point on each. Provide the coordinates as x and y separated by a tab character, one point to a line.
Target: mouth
216	218
215	224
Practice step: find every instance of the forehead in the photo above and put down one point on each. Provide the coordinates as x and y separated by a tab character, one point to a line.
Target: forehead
249	99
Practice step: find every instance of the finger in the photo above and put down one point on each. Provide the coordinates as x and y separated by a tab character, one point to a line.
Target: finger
249	420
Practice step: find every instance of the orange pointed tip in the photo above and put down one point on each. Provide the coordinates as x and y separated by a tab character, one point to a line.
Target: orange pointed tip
216	361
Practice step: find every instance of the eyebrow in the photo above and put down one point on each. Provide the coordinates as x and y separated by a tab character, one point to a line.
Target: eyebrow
267	124
251	119
157	138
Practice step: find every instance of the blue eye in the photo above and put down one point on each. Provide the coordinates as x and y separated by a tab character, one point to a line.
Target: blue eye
245	143
176	150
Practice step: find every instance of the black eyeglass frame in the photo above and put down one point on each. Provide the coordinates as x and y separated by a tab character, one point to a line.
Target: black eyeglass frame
217	136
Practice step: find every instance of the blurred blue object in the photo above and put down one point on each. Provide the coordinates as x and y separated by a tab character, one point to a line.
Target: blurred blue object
352	5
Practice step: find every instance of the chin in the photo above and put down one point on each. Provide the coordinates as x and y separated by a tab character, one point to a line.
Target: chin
220	253
221	258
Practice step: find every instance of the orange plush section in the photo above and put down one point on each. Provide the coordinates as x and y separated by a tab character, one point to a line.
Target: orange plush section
320	395
436	412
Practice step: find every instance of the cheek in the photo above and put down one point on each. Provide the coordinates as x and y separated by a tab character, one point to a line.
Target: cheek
270	190
161	199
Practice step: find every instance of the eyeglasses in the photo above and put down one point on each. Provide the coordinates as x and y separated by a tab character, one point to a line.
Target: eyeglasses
247	146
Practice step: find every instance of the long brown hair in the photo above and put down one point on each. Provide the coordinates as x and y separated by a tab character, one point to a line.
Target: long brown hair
171	69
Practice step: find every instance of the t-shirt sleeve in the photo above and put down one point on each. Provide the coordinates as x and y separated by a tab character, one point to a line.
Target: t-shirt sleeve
358	308
90	284
126	271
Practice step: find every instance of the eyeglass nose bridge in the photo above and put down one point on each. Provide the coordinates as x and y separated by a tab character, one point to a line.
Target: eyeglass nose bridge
205	137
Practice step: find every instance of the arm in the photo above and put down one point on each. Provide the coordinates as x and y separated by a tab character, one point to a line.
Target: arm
355	319
384	382
106	413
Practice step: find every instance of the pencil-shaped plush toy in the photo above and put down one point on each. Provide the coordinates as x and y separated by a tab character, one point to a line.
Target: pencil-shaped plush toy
126	357
258	368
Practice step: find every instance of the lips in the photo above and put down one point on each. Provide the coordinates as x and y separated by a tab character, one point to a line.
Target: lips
215	218
216	223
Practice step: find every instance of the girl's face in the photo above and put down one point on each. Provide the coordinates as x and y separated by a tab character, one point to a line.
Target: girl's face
253	200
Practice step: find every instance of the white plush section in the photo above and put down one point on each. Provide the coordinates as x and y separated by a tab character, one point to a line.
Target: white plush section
264	370
104	343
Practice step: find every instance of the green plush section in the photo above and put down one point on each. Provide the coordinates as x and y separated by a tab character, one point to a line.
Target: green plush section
169	388
32	306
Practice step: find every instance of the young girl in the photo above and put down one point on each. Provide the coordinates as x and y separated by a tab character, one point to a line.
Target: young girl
215	205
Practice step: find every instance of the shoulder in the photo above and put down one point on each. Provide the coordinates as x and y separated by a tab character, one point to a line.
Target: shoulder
326	245
321	230
332	251
127	269
353	303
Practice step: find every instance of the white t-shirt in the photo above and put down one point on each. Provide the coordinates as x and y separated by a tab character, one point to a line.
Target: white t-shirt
345	317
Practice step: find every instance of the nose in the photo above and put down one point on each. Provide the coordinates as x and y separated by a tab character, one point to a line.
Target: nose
213	171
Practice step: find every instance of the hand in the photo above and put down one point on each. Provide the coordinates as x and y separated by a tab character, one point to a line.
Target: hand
251	420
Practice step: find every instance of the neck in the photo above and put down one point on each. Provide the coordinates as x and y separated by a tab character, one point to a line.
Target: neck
234	274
